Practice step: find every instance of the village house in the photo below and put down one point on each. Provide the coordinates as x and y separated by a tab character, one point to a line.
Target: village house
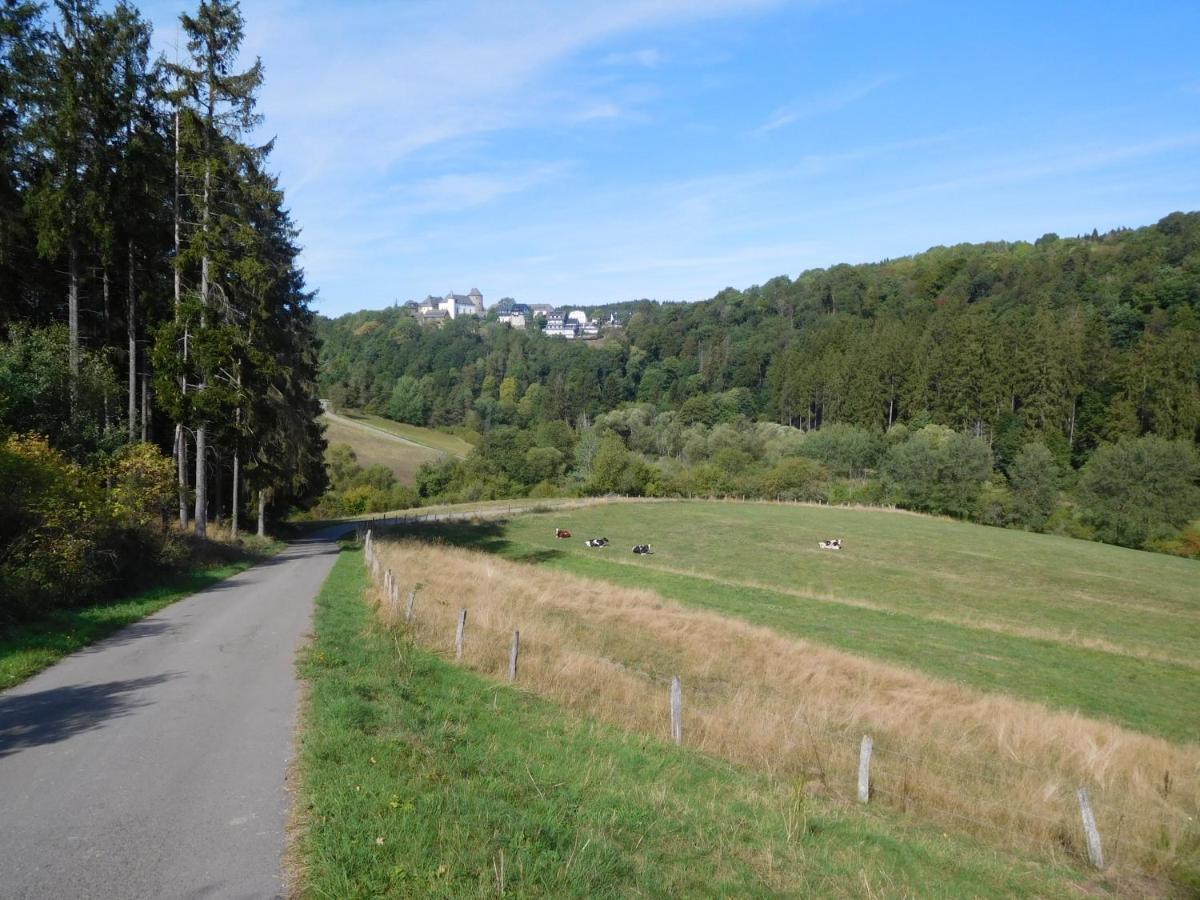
558	325
516	316
436	309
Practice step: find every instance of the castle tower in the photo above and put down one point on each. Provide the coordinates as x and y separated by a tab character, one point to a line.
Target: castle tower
476	300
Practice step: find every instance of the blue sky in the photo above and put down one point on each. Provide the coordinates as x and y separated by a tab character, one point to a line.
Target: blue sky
591	151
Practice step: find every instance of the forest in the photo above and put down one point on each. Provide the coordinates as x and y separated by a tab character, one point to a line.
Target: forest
158	359
1052	385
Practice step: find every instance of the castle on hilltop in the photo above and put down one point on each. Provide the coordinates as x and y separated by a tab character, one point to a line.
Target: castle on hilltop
435	309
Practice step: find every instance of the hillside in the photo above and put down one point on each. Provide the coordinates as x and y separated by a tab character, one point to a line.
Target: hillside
1068	341
995	670
400	448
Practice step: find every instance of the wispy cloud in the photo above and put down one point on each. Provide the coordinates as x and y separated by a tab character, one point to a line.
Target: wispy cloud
823	104
604	110
647	58
459	192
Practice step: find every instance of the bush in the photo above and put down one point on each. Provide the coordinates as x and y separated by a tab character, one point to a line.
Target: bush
795	478
1140	490
845	449
938	470
1034	480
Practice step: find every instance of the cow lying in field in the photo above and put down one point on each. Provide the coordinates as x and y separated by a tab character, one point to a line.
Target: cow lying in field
597	542
642	549
835	544
561	533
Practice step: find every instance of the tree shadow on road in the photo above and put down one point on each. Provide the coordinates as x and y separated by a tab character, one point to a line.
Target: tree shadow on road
50	716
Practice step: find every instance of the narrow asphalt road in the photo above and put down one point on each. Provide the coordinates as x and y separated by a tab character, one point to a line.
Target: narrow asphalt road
152	764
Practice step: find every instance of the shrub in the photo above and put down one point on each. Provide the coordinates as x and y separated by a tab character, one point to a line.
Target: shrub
938	470
1034	480
845	449
1140	490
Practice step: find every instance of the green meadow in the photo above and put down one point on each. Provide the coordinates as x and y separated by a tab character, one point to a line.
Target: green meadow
1075	625
420	779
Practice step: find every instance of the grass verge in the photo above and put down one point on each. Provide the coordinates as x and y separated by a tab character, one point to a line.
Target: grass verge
422	779
28	648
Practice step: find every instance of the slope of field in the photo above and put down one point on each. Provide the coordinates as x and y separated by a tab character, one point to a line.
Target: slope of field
1076	625
422	779
426	437
374	446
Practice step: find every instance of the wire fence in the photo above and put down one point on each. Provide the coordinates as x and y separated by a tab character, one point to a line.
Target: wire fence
1007	801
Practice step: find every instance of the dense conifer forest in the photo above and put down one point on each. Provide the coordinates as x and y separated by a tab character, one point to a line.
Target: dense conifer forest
974	380
157	356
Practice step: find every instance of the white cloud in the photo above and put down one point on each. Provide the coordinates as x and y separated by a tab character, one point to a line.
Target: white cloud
604	110
830	102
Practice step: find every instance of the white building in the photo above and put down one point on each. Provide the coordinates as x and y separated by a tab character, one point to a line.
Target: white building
578	316
451	306
516	317
558	325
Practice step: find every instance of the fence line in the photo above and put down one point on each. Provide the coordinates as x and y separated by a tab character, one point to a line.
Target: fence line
1082	823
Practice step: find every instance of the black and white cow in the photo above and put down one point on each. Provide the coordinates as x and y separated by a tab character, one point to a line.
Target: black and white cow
597	542
642	549
835	544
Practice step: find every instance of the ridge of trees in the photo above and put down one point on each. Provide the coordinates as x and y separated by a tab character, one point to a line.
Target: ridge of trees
150	295
1035	360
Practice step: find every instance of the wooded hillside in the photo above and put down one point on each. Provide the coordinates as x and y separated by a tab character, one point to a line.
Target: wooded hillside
1063	345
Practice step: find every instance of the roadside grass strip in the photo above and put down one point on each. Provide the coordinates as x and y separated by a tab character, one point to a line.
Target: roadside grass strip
27	649
421	779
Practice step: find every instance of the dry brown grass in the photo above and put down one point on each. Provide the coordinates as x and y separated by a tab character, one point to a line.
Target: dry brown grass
1003	769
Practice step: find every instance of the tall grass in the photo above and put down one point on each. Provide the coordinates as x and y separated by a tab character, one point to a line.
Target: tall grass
997	767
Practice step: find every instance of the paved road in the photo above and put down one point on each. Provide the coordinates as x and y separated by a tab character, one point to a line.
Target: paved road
152	764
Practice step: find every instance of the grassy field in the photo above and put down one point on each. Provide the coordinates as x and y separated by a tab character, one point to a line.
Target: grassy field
1110	632
426	437
422	779
375	448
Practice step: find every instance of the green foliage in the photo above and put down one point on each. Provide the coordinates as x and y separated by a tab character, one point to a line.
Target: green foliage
938	470
1140	490
1034	481
142	486
53	533
795	478
846	449
615	470
36	390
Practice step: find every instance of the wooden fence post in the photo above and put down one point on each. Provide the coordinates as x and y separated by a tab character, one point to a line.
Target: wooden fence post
1095	851
408	611
676	710
864	769
512	656
458	638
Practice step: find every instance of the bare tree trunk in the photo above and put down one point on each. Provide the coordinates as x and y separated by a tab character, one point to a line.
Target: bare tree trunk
237	436
145	407
262	513
73	319
201	428
180	439
181	454
219	490
201	482
233	514
131	334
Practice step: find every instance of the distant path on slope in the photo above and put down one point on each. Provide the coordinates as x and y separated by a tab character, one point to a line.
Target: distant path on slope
152	764
365	426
